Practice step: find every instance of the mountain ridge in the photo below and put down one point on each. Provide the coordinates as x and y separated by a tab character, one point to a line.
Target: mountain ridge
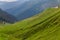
31	8
7	17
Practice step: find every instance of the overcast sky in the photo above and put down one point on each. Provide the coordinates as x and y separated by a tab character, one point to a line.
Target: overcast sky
12	0
8	0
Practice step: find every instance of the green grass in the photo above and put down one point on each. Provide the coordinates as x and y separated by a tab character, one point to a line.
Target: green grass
43	26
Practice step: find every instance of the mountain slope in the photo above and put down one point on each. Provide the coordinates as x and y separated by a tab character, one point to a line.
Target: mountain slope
4	16
43	26
8	5
30	8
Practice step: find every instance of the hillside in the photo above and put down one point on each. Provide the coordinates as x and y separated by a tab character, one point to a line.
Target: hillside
30	8
43	26
4	16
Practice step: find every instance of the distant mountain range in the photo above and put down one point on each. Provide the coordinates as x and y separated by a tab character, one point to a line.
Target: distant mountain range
28	8
8	5
4	16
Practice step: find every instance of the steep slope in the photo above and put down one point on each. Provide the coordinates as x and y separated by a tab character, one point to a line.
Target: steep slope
4	16
44	26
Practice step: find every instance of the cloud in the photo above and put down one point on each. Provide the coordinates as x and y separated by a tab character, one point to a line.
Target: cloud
8	0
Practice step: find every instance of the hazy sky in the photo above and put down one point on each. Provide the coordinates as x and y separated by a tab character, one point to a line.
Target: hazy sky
12	0
8	0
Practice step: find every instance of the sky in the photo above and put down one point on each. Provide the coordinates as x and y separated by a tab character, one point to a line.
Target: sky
8	0
12	0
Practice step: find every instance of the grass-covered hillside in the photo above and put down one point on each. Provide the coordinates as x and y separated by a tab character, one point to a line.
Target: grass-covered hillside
43	26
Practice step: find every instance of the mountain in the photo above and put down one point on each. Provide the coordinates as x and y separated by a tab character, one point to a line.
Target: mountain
23	7
30	8
43	26
4	16
8	5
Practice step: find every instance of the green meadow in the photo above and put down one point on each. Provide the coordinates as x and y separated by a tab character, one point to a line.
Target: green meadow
43	26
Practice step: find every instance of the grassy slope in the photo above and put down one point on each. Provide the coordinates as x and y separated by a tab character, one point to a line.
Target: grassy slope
44	26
